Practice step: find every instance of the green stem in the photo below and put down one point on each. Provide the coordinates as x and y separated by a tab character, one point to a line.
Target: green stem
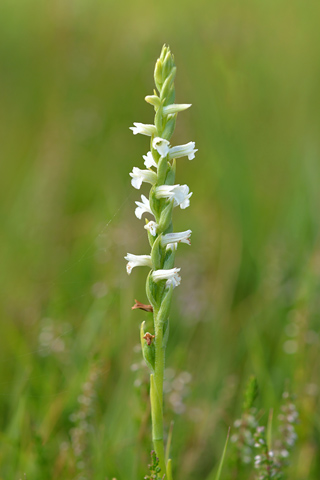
156	394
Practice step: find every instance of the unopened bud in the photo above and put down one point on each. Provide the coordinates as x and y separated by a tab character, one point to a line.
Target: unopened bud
153	100
164	52
165	91
158	74
167	65
175	108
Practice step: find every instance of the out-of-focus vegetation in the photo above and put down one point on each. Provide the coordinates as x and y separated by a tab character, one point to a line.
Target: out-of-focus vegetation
73	399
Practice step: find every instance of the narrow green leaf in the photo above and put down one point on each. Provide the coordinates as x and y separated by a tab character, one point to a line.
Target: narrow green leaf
169	444
223	457
169	470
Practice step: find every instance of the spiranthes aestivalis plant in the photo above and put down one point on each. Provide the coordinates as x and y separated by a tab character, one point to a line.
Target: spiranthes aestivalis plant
164	196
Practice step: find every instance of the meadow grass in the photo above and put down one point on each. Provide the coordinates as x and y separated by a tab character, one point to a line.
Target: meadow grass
73	79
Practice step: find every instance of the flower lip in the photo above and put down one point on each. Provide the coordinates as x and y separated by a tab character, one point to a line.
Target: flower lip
149	160
152	228
142	207
138	176
161	145
137	261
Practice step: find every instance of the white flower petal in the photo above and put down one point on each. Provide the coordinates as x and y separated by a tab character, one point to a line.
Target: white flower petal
172	276
136	181
137	261
161	145
172	246
144	129
179	193
152	228
149	160
186	202
139	176
183	237
142	207
187	150
175	108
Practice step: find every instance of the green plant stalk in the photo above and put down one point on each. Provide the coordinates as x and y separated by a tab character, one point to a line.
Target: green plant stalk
156	394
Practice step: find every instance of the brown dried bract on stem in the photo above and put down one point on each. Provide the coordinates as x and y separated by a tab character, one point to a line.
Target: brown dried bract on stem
148	338
142	306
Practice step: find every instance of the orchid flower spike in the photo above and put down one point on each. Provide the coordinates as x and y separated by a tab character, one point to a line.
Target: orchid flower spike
164	195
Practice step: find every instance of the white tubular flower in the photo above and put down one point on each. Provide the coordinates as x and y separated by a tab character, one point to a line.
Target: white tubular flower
175	108
152	228
137	261
142	207
149	160
172	276
161	145
144	129
139	176
183	237
180	194
186	150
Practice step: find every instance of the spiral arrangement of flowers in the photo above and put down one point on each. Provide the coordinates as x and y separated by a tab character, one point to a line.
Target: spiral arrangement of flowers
164	196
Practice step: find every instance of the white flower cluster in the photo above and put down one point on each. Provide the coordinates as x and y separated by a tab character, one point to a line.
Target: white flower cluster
178	194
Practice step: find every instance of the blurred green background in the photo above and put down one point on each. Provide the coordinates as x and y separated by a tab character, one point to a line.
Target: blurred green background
73	398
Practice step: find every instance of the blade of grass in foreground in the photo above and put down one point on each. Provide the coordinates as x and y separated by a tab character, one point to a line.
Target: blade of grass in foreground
212	475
